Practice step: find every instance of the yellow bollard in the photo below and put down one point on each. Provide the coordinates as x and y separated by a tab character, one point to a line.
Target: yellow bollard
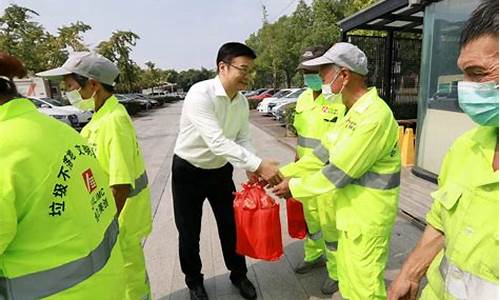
401	134
408	148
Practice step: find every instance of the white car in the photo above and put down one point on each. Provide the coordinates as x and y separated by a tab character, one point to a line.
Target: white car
282	104
294	95
48	103
262	107
62	115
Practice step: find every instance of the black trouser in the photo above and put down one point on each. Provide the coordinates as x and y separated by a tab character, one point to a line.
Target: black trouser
190	187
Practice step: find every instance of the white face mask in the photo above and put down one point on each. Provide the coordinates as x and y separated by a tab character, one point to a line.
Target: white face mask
77	101
326	89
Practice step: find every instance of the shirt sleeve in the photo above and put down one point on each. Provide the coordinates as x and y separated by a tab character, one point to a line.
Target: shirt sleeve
244	137
122	147
201	113
350	159
8	217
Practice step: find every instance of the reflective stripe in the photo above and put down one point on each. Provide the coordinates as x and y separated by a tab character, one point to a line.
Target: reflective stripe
371	180
336	176
322	153
315	236
332	246
308	142
465	285
140	184
49	282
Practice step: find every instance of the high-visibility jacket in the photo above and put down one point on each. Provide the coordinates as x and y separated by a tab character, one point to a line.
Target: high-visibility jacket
314	117
465	210
362	169
58	226
112	135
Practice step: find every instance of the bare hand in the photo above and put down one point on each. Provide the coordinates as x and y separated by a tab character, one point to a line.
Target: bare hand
402	288
282	190
276	179
267	169
252	177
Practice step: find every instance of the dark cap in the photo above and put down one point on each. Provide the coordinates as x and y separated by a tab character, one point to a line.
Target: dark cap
310	53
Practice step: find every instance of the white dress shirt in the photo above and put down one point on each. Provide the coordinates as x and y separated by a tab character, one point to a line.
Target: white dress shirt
214	129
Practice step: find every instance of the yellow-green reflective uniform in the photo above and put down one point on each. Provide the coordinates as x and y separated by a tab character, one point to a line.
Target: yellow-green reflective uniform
362	175
313	118
58	228
113	137
465	210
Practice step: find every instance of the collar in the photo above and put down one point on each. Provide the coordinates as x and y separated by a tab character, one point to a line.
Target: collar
219	88
15	107
484	139
221	92
109	105
362	103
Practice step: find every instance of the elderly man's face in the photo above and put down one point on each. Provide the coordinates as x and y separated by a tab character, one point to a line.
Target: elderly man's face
478	60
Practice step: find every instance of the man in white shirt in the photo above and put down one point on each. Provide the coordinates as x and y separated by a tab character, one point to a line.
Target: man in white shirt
214	136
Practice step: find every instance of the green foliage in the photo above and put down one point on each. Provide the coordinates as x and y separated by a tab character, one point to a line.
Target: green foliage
118	49
279	45
31	43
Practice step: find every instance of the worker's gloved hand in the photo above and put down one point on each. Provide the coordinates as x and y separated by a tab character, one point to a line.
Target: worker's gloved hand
403	288
267	169
282	190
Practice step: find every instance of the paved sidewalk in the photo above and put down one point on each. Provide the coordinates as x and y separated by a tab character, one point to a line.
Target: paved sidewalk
274	280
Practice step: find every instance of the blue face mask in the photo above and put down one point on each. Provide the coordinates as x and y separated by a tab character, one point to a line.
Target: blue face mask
479	100
313	81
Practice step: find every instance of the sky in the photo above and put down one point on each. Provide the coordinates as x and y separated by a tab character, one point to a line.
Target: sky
174	34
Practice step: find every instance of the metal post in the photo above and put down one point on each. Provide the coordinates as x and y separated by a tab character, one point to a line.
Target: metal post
389	44
344	36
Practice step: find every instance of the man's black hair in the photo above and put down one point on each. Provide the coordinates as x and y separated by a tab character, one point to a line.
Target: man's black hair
483	21
230	50
82	81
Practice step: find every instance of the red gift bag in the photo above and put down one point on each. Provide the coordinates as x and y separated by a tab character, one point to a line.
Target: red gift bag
297	227
258	227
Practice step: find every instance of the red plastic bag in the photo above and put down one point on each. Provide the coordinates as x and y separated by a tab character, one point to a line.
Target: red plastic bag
258	227
297	227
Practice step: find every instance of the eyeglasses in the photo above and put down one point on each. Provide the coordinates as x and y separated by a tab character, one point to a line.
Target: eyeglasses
244	71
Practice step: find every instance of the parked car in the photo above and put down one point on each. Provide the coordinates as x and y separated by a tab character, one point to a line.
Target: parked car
263	105
255	92
264	94
289	98
144	104
83	116
280	110
152	102
132	105
60	114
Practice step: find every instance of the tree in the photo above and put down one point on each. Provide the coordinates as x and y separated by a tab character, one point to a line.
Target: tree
36	48
118	49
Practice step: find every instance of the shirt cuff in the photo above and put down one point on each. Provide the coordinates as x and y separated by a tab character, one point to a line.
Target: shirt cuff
253	163
288	170
293	186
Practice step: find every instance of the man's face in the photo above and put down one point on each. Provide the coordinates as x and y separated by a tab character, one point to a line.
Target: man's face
329	73
71	84
478	60
239	72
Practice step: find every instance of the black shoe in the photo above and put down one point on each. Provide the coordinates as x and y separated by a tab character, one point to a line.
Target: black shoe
198	293
247	290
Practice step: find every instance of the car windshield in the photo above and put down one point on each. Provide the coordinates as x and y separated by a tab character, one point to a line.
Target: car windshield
295	94
281	94
52	101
